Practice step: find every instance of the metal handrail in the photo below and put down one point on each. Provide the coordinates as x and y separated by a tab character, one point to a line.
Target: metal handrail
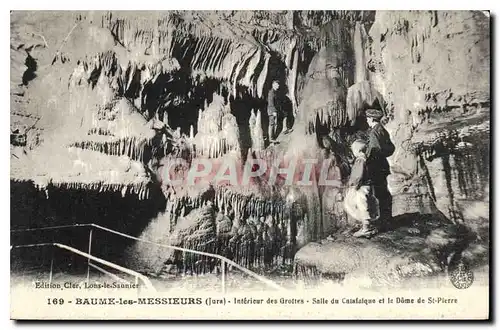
223	259
137	275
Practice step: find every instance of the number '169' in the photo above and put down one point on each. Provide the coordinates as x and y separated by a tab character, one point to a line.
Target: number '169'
55	301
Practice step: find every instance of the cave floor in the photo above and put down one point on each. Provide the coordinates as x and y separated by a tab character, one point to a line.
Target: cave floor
240	283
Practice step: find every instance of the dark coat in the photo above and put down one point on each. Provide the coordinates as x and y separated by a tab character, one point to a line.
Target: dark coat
272	102
379	148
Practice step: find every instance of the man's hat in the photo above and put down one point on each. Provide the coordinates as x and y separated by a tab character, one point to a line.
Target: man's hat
374	113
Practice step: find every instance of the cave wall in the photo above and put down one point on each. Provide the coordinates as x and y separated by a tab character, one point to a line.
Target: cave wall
432	67
146	87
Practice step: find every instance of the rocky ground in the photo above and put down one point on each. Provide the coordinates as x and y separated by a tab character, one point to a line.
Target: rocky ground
412	246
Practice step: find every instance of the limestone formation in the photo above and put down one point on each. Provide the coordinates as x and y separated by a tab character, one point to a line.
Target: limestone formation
108	103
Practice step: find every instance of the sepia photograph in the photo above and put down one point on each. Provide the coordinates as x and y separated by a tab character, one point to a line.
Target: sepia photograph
250	164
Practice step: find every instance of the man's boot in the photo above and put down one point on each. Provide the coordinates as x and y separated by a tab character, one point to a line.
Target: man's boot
368	230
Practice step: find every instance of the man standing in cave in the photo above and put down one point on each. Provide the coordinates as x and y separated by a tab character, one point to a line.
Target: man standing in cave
379	148
277	111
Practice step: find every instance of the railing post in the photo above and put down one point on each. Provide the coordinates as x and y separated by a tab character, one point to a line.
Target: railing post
51	266
223	275
88	259
138	289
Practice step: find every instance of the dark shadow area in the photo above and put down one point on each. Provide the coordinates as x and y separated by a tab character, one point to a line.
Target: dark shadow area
241	109
424	222
30	208
181	97
31	67
439	235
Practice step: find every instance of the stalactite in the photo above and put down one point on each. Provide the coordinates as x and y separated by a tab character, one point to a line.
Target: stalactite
191	132
360	95
130	147
360	39
262	78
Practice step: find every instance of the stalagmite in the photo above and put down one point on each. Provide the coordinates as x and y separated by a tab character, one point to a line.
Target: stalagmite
251	121
258	134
